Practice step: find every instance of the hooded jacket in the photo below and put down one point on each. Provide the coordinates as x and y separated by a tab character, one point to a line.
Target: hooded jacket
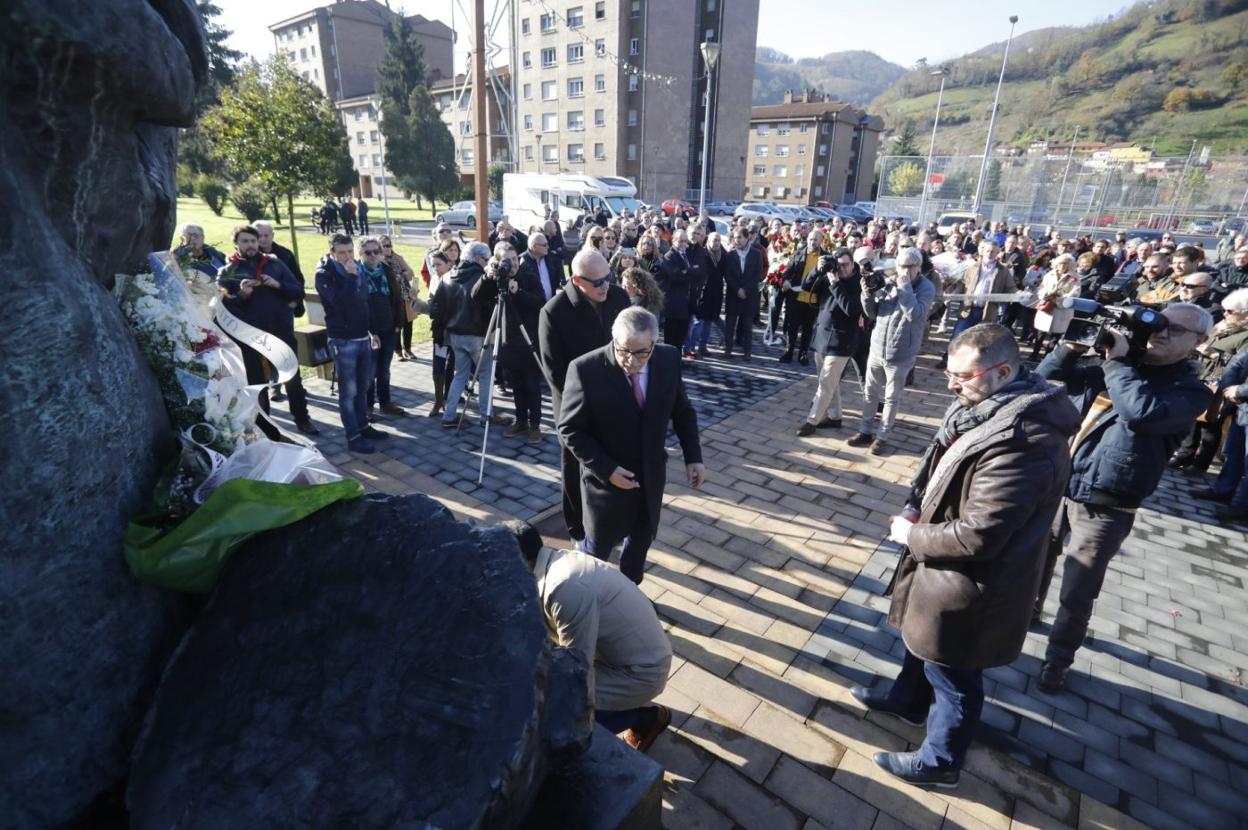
966	583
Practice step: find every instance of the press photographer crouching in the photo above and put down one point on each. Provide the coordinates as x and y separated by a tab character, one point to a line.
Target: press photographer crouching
1138	397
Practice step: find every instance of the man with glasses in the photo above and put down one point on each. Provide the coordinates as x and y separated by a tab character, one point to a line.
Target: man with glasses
837	331
617	403
899	309
1136	409
575	321
1197	289
743	273
974	531
194	254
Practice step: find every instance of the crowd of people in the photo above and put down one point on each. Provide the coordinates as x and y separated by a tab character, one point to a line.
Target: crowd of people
350	216
1028	463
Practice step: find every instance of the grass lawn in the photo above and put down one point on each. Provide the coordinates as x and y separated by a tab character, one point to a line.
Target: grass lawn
218	231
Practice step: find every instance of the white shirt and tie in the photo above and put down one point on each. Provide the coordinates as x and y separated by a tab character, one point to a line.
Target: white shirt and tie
547	288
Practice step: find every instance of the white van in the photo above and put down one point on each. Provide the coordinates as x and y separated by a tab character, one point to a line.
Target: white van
948	222
529	198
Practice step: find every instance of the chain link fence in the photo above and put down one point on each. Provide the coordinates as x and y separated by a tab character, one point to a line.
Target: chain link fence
1195	195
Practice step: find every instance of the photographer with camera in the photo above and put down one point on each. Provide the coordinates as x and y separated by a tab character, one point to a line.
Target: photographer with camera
462	308
522	297
1136	403
835	281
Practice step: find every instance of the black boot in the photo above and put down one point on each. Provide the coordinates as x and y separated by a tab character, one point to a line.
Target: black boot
787	357
439	394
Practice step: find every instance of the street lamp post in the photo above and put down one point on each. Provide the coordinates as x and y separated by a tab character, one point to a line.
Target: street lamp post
931	147
992	121
710	55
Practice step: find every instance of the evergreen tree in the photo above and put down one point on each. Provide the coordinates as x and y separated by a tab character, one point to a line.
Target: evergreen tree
905	145
274	129
434	173
193	149
400	74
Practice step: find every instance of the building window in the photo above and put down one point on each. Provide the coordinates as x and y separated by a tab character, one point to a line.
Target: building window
524	26
444	101
801	149
818	190
634	46
466	154
465	128
359	137
550	152
576	152
823	149
819	170
549	57
575	17
635	10
363	161
710	5
303	54
528	122
760	170
600	11
799	171
374	137
761	151
600	47
549	91
801	128
600	151
826	128
600	118
632	152
528	153
376	160
760	191
708	36
780	171
528	92
782	150
316	73
548	22
550	122
799	192
600	83
576	52
527	60
576	120
632	118
782	129
359	115
634	82
576	87
781	192
762	129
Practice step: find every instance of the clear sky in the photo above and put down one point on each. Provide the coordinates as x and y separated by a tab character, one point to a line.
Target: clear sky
909	30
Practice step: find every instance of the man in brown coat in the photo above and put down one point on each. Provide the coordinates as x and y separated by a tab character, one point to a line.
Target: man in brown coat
975	531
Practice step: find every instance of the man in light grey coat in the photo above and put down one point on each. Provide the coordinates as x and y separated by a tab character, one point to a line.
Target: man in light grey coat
591	607
899	308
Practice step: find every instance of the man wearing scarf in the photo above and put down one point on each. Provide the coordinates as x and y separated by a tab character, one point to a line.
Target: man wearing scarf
259	290
974	531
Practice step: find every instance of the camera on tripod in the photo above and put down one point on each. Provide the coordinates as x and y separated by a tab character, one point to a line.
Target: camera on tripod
1092	321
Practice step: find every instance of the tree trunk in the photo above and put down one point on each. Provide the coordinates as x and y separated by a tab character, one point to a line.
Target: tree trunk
290	211
277	213
419	205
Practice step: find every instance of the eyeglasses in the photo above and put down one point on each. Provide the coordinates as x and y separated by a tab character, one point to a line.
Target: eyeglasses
966	377
595	283
610	236
845	263
387	247
1178	330
372	252
623	352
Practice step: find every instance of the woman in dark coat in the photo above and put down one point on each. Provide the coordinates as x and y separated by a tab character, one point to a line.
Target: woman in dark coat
710	302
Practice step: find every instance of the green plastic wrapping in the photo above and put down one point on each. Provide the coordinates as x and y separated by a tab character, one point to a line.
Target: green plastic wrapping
189	557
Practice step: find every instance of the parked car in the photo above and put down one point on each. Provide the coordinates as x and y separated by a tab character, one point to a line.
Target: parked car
465	213
948	221
720	208
852	214
865	207
825	213
1235	223
672	207
1203	226
1146	234
759	210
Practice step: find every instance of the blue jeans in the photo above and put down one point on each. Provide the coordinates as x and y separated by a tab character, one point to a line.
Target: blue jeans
353	366
1232	481
700	333
974	317
953	700
379	388
466	347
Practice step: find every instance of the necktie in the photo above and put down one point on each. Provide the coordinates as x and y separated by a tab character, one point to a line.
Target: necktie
638	392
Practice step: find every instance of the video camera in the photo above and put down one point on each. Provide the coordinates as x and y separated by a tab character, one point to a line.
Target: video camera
1116	289
1092	321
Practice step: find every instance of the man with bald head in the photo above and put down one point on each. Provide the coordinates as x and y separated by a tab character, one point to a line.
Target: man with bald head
575	321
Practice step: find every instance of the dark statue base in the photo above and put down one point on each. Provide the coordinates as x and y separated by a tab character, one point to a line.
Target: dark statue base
610	787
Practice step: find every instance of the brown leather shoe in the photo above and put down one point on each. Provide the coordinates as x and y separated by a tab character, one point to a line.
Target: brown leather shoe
859	439
393	409
879	447
642	741
807	428
515	429
498	419
535	434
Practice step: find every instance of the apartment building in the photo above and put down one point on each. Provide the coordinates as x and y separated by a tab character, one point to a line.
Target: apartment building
619	88
454	99
809	149
339	46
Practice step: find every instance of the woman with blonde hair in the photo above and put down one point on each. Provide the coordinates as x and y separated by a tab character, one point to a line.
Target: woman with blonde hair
1051	319
643	290
648	254
409	287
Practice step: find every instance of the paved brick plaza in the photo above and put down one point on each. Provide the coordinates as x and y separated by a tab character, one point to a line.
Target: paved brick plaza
770	578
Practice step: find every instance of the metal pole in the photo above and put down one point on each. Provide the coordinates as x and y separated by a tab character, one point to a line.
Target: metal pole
1061	193
931	148
1174	199
480	163
992	122
710	53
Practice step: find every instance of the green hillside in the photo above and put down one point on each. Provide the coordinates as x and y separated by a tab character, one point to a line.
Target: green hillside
1160	74
854	77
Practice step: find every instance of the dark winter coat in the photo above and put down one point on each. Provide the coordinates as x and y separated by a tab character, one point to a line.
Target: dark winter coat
749	278
268	309
344	297
966	582
602	426
679	277
463	302
839	326
569	326
521	309
711	301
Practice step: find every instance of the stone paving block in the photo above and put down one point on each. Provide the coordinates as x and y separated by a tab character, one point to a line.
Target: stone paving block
736	612
793	737
1051	741
743	801
1123	776
1082	781
816	796
1097	815
1027	817
721	697
1086	733
1024	784
913	807
844	723
682	810
708	653
1113	722
689	615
